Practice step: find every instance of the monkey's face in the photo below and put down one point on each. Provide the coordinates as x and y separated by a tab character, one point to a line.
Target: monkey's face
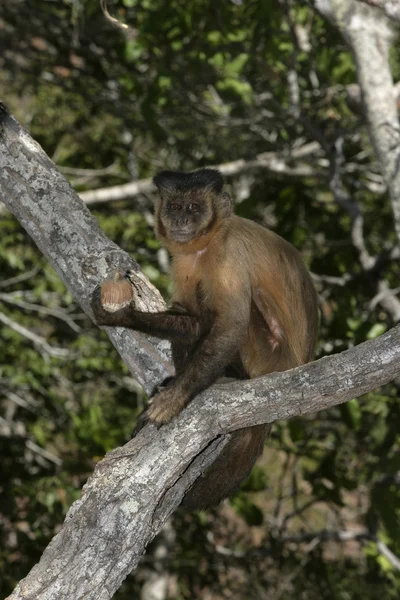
185	216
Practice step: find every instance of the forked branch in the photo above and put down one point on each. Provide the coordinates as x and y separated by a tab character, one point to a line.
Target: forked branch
135	488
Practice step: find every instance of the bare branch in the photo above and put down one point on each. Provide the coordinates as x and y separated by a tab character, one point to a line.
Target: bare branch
388	554
70	237
117	192
135	488
111	169
391	8
275	162
115	22
38	341
14	300
44	453
387	298
13	397
369	35
343	198
19	278
326	535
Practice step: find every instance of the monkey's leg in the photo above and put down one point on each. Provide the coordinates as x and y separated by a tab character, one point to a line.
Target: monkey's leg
181	352
207	362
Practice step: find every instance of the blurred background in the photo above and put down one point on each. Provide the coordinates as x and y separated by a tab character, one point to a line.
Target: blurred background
267	90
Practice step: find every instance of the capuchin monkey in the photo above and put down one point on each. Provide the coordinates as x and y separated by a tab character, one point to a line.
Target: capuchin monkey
243	305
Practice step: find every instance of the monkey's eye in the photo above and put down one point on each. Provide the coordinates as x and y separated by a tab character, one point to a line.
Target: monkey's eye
193	207
174	206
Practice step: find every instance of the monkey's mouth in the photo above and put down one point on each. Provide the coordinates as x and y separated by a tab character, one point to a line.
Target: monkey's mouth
181	235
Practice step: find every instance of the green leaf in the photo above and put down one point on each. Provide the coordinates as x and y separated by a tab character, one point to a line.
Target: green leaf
251	513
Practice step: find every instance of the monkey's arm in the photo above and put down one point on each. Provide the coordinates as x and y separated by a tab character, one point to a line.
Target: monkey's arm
208	361
171	324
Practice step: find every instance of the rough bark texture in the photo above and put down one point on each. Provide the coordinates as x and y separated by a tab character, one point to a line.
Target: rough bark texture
390	7
369	34
135	488
70	237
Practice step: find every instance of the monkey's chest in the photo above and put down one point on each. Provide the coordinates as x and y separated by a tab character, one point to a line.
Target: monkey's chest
188	283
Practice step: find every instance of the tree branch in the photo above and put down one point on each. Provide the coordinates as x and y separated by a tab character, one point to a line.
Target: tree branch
70	237
391	8
135	488
369	34
280	163
37	340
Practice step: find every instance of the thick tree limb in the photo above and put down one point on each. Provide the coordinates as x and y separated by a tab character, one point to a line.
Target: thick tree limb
369	34
391	8
70	237
135	488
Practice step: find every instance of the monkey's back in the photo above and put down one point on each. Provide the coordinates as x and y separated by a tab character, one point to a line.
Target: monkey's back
284	309
264	279
258	265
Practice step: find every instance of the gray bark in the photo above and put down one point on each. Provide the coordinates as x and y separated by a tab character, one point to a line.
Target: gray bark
369	34
391	8
135	488
70	237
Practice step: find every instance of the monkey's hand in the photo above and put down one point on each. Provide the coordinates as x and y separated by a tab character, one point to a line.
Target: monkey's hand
110	298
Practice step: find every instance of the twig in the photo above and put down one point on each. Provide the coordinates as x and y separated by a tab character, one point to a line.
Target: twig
20	401
332	280
115	22
37	340
89	172
384	293
20	278
44	310
325	535
44	453
388	554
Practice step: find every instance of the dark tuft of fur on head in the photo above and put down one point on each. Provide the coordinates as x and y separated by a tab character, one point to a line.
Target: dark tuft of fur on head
176	181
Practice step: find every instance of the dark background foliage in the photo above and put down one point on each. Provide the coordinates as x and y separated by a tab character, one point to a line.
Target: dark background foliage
193	84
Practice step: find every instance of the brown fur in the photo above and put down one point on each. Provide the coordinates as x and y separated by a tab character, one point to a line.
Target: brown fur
243	303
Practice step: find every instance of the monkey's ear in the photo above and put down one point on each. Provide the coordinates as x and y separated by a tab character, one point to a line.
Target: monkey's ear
209	179
226	205
166	181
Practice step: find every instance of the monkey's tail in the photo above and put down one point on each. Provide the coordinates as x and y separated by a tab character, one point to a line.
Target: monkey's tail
228	471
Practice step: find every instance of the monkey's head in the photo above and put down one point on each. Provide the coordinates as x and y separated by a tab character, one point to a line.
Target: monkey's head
190	206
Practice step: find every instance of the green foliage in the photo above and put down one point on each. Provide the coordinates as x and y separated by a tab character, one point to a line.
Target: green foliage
198	83
247	510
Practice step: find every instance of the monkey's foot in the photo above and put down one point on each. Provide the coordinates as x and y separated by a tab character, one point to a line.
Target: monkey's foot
164	406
